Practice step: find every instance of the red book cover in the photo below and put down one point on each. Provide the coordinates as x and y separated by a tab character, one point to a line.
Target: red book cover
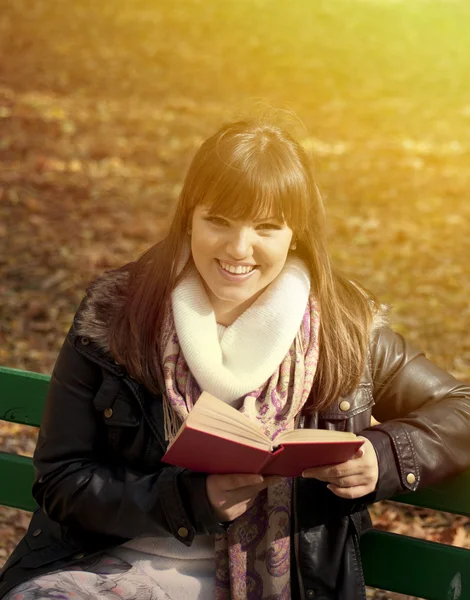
295	457
209	453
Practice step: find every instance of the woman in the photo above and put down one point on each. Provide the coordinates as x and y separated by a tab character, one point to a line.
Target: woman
240	300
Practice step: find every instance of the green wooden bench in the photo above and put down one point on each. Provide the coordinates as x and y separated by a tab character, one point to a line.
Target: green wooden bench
391	562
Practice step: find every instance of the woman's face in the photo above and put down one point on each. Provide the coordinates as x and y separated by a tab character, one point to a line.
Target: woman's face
237	259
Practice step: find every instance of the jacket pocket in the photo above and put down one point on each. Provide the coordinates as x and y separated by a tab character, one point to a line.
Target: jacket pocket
351	412
121	413
117	408
121	420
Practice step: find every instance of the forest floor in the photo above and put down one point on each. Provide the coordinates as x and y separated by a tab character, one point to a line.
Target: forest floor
102	106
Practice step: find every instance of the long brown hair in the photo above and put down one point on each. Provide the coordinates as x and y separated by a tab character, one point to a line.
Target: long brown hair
246	170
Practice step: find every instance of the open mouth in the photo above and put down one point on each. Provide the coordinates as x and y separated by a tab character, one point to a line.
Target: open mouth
239	270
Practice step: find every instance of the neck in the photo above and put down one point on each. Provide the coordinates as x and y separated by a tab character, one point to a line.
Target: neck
226	313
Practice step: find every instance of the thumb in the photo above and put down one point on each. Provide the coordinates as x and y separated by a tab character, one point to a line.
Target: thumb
359	453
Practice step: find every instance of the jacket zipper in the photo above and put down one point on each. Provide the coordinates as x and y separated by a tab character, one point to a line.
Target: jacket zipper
297	542
298	424
357	550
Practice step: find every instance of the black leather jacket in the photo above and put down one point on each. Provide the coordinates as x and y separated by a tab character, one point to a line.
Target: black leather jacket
99	480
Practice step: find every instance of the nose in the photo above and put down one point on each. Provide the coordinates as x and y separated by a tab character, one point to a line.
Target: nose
240	244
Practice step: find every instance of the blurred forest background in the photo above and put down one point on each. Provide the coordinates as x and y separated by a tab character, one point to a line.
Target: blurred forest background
102	104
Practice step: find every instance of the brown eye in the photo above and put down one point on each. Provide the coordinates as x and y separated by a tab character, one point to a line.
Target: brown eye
270	226
217	220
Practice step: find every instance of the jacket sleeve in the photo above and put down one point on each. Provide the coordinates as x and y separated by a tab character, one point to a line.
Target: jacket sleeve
76	486
424	415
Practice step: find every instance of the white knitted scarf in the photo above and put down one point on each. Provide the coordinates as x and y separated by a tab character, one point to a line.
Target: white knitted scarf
250	349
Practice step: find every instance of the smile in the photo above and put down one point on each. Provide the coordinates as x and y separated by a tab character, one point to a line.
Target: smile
238	273
239	270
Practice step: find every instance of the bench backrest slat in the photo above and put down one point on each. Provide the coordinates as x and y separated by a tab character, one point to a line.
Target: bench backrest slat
415	567
22	396
16	476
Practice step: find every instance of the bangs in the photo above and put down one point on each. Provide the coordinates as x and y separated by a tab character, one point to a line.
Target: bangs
258	189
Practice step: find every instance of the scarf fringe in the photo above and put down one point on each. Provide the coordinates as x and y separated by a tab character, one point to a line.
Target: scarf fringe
171	421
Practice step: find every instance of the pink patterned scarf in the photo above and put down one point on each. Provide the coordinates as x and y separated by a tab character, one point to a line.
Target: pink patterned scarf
253	556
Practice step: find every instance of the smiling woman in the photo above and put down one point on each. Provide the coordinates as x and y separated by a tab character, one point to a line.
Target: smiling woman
240	300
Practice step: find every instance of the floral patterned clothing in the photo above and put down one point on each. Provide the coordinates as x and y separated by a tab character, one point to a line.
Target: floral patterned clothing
123	574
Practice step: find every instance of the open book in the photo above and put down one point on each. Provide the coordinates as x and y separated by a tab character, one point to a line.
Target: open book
217	438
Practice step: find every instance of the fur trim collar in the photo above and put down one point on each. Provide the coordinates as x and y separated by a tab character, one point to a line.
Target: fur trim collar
105	294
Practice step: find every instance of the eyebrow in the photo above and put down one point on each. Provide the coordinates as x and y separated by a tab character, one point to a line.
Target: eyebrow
272	218
257	221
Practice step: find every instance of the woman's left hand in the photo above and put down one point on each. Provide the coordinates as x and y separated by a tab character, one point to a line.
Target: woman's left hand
355	477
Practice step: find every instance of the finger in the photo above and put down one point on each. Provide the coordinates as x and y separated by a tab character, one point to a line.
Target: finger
272	480
241	480
233	512
346	469
347	482
351	492
241	495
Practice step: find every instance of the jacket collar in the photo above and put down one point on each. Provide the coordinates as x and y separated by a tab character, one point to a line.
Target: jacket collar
104	295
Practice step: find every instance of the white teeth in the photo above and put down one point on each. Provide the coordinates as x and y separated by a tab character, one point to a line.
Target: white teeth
236	270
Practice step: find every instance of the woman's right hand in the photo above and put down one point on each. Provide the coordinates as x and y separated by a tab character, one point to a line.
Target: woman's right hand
231	495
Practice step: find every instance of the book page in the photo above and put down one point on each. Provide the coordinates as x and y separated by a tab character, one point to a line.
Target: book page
314	435
212	415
